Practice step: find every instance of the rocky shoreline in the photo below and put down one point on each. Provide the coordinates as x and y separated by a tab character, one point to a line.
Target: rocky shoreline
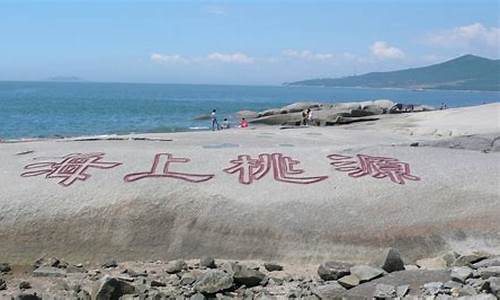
451	275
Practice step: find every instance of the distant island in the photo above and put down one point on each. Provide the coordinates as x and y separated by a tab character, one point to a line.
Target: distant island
467	72
64	78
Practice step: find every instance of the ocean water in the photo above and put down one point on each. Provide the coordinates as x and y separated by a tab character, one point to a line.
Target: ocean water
51	109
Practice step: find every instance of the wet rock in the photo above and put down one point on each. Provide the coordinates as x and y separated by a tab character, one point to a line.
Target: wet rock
49	272
110	264
4	268
112	288
349	281
24	285
366	273
3	284
383	291
331	290
461	274
488	272
436	263
332	270
392	261
271	267
246	276
175	266
213	281
207	262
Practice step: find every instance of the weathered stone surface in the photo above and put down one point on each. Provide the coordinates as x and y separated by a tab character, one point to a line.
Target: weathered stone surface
383	291
197	296
214	281
489	262
488	272
207	262
494	284
279	119
157	283
432	288
3	284
331	290
366	273
269	112
402	290
392	261
436	263
112	288
30	296
187	278
461	274
349	281
246	276
478	297
110	264
4	267
49	272
332	270
175	266
299	107
467	260
271	267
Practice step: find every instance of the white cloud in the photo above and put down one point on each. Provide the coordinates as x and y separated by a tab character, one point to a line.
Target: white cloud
168	59
474	35
383	51
233	58
307	55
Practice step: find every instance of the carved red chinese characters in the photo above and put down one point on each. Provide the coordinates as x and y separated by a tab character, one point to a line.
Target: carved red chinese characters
73	167
375	166
161	168
282	167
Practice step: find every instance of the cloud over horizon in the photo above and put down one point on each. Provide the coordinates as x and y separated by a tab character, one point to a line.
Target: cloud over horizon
382	50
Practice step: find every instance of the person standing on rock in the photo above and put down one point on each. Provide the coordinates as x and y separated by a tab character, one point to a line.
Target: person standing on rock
214	120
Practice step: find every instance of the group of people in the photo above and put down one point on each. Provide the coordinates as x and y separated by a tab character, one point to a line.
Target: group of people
225	124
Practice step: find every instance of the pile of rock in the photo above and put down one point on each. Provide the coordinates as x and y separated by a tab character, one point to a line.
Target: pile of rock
325	114
475	276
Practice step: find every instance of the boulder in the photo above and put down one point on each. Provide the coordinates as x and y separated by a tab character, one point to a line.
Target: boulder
269	112
494	284
436	263
4	267
175	266
361	113
366	273
197	296
247	114
187	278
374	109
432	288
30	296
461	274
489	262
331	290
246	276
391	261
488	272
468	260
112	288
24	285
299	107
49	272
332	270
214	281
384	104
402	290
271	267
349	281
279	119
207	262
384	291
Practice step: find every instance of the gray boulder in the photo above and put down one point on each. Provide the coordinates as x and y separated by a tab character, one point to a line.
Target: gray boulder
110	264
432	288
467	260
366	273
331	290
4	267
299	107
494	284
246	276
392	261
383	291
461	274
349	281
271	267
175	266
332	270
279	119
489	262
207	262
269	112
488	272
213	281
112	288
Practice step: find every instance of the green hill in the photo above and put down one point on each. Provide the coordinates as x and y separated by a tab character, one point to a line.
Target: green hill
467	72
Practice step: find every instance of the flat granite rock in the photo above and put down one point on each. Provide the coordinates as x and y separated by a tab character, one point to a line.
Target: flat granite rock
415	279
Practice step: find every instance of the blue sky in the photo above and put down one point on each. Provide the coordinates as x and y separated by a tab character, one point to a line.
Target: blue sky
237	42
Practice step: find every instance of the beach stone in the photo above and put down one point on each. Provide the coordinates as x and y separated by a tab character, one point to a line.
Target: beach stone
197	296
24	285
383	291
175	266
112	288
3	284
488	272
246	276
4	267
213	281
207	262
366	273
489	262
271	267
110	264
461	274
349	281
436	263
332	270
49	272
392	261
331	290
